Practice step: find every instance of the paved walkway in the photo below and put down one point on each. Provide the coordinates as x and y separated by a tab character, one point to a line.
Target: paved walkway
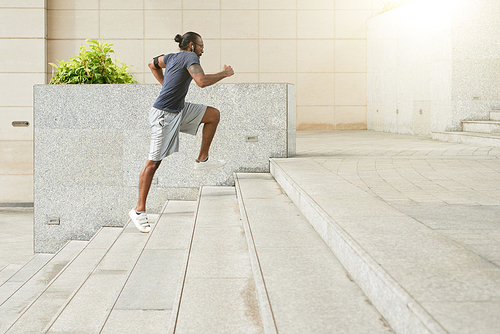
16	235
451	188
414	221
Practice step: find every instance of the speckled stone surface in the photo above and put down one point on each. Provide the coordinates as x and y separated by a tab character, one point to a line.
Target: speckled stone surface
91	142
432	65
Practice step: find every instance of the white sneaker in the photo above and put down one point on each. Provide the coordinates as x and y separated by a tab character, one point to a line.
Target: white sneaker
209	164
140	221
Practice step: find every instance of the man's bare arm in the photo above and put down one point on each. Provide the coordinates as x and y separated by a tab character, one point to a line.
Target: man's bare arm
205	80
157	72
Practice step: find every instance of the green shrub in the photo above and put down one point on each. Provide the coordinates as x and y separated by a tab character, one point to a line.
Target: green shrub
92	66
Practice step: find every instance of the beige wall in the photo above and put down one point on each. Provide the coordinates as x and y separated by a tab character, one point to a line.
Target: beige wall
319	45
432	65
22	64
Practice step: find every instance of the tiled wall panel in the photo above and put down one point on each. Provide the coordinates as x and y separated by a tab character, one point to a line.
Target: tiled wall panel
293	41
22	63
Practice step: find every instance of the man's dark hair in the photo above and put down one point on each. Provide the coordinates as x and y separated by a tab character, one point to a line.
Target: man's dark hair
187	38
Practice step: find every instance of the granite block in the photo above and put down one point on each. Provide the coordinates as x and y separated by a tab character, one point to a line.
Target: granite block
79	157
93	106
245	106
91	143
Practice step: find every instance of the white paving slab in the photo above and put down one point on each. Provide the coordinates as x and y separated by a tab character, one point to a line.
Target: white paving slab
308	289
8	271
31	268
30	289
219	253
41	311
89	307
385	292
154	281
137	322
481	126
175	227
433	256
469	138
219	305
153	287
495	115
15	281
219	293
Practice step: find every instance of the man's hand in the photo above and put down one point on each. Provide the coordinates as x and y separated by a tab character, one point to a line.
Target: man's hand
228	70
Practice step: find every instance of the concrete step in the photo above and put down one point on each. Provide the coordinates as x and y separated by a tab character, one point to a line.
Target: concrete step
306	287
34	285
15	281
149	300
39	313
419	280
495	115
219	293
481	126
470	138
7	272
86	310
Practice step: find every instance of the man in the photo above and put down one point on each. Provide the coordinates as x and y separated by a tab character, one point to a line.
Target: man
171	114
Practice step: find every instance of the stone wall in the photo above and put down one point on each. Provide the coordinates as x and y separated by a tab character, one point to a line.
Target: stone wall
91	142
433	64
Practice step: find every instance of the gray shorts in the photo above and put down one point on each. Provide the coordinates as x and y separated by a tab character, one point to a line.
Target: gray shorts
165	127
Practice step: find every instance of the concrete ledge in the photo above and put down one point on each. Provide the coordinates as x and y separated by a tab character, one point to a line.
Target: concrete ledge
399	308
91	142
471	138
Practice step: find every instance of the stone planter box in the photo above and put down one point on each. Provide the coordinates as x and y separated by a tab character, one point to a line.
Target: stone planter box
91	142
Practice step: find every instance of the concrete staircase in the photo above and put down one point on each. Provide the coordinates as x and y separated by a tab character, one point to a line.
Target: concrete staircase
241	259
420	280
480	133
301	285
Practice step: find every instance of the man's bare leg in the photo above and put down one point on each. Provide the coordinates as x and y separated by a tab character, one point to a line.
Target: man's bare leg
145	179
210	121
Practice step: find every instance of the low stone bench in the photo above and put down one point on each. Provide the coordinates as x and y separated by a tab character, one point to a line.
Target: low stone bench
91	142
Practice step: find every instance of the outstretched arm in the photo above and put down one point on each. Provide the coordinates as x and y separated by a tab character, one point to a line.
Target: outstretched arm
157	72
204	80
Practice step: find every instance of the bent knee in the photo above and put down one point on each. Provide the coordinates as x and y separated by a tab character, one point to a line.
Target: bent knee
213	115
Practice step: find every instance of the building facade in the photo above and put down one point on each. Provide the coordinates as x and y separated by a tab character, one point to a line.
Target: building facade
318	45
